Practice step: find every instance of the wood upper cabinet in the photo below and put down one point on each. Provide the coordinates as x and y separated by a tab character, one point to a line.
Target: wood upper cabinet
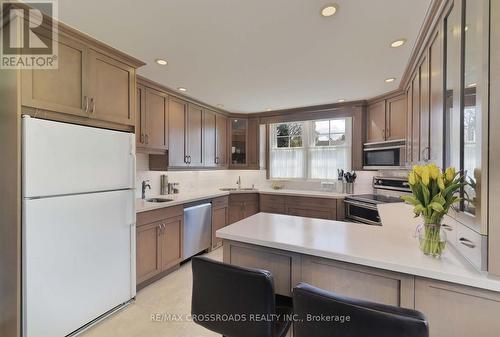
156	136
424	111
387	120
177	110
221	140
194	135
253	143
396	118
152	120
376	122
87	83
140	116
111	89
415	141
210	138
220	217
409	124
64	89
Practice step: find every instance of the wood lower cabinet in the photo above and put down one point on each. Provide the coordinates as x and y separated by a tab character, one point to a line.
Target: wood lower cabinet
242	206
148	262
272	203
220	218
458	311
357	281
158	243
309	207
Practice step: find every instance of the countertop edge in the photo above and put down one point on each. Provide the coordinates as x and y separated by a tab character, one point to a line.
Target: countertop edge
485	284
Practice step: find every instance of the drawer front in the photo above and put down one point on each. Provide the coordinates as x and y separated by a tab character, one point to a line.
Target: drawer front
220	202
147	217
309	201
272	208
272	199
244	197
472	245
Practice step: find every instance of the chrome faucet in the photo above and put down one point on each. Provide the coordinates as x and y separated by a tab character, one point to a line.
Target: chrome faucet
144	186
239	182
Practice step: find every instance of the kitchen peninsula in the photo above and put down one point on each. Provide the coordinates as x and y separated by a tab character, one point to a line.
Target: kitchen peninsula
376	263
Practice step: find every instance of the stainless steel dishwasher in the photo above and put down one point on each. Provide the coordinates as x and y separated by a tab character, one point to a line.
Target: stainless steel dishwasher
197	229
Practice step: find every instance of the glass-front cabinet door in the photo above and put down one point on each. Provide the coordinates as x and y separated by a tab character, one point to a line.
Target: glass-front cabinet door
466	105
239	141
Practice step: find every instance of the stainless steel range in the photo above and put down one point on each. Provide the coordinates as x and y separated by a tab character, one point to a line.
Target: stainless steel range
363	208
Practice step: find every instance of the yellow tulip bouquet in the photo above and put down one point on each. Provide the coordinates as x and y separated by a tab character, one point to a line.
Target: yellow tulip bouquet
433	193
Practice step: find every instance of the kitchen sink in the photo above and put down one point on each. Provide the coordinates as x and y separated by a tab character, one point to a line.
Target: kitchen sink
158	200
228	189
238	189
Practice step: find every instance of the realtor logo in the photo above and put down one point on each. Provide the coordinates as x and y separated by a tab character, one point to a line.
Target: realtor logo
29	36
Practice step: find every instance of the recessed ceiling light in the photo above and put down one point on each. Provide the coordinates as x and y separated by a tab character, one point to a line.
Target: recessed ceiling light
181	89
161	62
472	85
220	105
398	43
466	28
389	80
269	109
329	10
341	100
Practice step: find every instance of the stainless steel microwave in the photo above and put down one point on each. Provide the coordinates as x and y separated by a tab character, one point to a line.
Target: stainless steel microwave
384	155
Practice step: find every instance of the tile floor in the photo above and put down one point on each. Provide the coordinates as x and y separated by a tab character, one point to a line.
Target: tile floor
170	295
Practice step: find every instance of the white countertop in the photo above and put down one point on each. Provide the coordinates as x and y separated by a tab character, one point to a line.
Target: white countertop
391	246
186	197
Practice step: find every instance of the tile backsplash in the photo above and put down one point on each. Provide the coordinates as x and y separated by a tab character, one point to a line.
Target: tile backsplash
192	181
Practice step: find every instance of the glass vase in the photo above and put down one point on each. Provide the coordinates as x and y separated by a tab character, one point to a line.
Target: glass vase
432	239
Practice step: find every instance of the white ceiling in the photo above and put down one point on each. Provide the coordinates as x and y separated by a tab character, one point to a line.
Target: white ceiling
259	54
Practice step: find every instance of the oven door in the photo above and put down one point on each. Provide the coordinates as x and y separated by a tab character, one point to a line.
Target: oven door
387	157
362	212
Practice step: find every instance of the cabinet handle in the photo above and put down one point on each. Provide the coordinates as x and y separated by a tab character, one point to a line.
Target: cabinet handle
447	227
217	160
189	159
159	229
185	159
86	103
383	133
467	243
141	139
147	139
388	133
426	153
92	105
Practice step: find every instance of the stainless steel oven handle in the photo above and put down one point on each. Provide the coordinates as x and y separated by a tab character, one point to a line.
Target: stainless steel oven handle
363	220
361	204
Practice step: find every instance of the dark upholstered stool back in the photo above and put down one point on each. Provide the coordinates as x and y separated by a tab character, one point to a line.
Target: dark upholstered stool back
366	319
224	289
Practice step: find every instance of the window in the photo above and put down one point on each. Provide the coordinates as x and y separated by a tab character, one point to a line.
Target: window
310	149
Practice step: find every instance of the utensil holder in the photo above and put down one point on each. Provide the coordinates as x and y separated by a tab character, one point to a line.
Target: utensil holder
349	188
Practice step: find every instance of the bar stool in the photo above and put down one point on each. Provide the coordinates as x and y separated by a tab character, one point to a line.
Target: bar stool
328	314
236	301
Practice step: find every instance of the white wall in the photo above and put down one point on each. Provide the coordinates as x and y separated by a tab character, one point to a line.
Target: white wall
191	181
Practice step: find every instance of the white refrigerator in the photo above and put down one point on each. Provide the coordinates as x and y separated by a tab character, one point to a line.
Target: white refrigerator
78	225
